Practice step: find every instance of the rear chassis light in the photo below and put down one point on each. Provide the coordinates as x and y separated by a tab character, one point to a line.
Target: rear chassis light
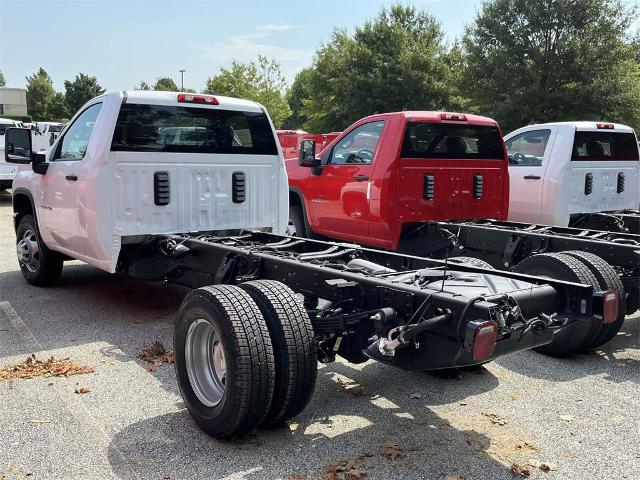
606	305
456	117
607	126
203	99
480	339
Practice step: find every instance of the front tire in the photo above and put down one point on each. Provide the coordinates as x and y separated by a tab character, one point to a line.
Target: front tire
39	265
224	360
293	347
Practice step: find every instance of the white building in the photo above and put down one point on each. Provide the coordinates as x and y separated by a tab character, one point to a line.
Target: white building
13	101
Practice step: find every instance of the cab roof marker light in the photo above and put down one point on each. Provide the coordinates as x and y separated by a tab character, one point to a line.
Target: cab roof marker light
606	126
202	99
456	117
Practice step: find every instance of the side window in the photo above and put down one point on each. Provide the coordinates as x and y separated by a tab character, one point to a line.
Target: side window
527	149
74	144
359	146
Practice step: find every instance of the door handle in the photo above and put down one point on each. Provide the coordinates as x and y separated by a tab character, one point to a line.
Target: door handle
71	178
532	177
360	178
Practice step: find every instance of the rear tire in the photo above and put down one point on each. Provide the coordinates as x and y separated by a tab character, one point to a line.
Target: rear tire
608	280
293	347
39	265
224	360
296	226
577	336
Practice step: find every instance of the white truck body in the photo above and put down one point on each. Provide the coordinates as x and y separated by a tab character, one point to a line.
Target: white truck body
7	170
560	170
44	135
97	195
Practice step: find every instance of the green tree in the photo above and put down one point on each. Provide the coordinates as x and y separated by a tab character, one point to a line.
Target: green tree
296	96
79	91
165	84
552	60
396	61
3	82
260	81
40	94
58	108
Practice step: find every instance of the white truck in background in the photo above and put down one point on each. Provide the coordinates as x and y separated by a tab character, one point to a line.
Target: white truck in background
45	134
7	170
576	174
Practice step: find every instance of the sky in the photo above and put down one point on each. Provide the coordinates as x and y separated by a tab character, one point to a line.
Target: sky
123	42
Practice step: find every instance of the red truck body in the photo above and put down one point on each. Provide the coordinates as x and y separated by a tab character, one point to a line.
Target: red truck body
290	141
389	172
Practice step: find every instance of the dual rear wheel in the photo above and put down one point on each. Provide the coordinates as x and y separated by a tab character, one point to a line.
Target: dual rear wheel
245	356
581	335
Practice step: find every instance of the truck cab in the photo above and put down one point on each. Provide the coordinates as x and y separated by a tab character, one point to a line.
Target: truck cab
133	164
388	173
562	173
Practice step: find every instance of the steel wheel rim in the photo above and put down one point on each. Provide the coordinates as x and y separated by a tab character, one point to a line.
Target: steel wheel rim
205	362
291	228
28	251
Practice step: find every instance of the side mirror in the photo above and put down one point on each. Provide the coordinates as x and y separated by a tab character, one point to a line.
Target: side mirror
307	154
17	145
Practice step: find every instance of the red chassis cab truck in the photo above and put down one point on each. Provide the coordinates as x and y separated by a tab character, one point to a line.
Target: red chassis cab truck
389	172
425	183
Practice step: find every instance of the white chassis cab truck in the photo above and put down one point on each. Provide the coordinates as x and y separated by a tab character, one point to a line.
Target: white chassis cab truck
575	174
122	191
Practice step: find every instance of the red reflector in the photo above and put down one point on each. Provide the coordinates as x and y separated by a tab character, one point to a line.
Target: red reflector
605	125
456	117
189	98
610	303
485	340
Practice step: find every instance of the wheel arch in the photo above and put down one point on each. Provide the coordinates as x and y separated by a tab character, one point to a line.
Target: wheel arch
296	198
23	205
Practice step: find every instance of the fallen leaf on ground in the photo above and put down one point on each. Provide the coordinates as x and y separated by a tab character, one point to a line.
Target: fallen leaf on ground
297	476
520	470
495	418
32	367
566	418
548	467
81	390
416	396
390	450
39	420
349	469
156	354
351	386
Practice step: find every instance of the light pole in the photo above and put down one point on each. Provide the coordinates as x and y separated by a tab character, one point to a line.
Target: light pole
182	70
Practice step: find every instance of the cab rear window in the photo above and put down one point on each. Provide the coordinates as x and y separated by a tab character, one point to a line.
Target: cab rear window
444	140
164	128
599	146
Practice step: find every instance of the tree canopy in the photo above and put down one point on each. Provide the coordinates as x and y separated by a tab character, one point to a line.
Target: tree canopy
296	96
260	81
550	60
40	94
3	81
397	61
79	91
165	84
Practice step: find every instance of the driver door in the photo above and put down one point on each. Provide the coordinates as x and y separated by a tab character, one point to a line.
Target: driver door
529	153
341	193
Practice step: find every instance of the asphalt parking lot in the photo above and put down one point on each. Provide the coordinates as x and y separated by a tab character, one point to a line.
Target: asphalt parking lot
582	415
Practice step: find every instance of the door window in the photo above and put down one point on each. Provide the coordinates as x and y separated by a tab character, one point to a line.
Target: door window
527	149
358	147
76	140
